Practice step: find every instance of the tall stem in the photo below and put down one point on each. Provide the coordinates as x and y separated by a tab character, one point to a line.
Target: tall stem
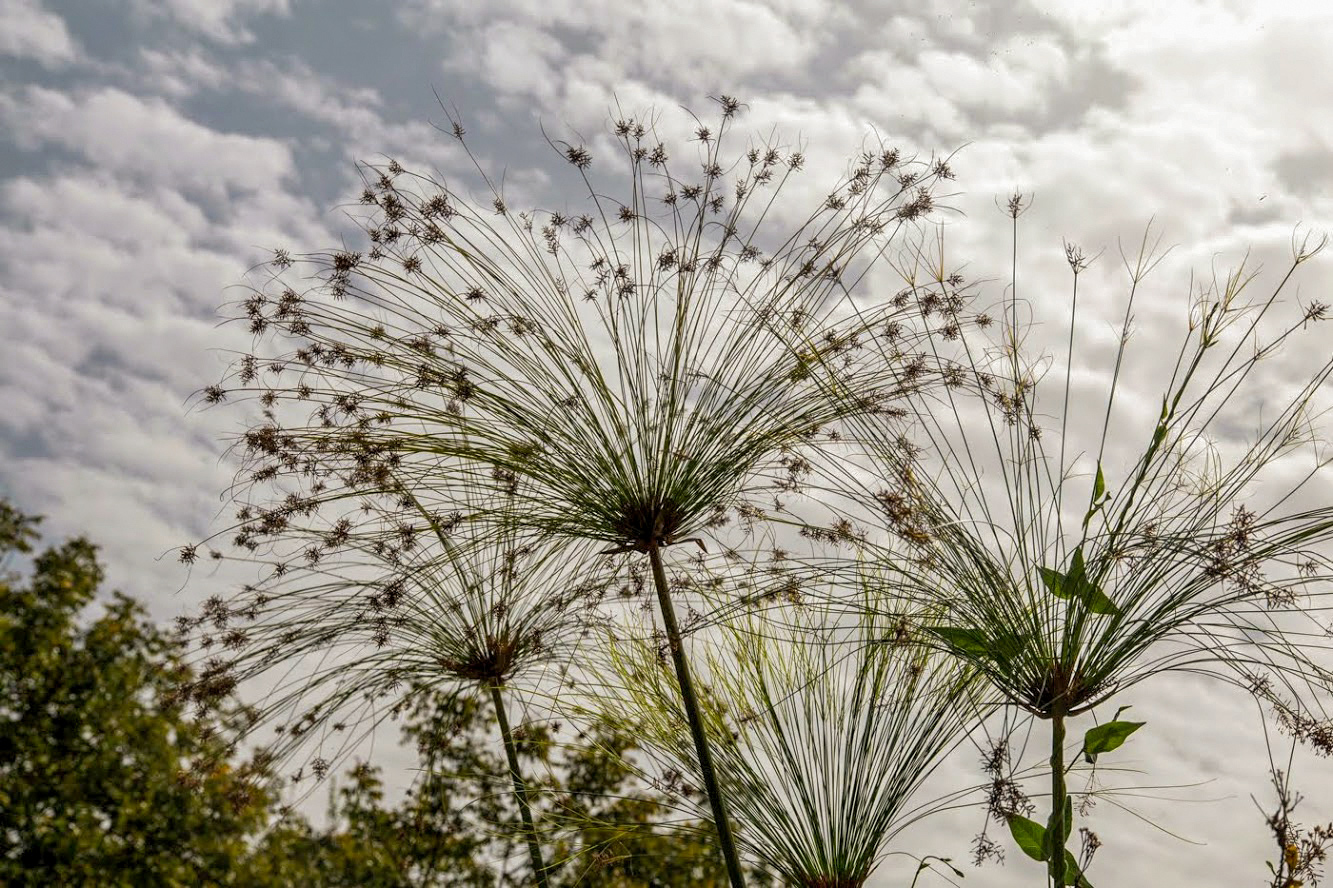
520	787
1056	827
691	702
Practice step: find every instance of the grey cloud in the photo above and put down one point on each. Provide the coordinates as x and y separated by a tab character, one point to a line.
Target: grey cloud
30	31
225	21
161	154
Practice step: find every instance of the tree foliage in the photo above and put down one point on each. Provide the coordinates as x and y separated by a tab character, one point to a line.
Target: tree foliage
107	780
96	779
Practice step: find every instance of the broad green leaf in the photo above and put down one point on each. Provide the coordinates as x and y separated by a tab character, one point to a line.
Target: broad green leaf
1048	841
1054	581
1080	587
1066	827
1099	497
1072	874
1076	584
967	641
1078	571
1106	737
1097	601
1030	836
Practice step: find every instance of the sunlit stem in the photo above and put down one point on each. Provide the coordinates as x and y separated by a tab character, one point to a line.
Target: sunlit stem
701	747
520	788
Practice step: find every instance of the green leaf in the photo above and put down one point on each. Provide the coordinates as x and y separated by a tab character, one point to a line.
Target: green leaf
1066	827
1030	836
965	641
1099	497
1076	584
1072	874
1055	581
1106	737
1048	841
1159	435
1097	601
1084	589
1078	571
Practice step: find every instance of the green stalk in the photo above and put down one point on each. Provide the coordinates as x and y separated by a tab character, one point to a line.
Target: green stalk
520	788
691	702
1055	828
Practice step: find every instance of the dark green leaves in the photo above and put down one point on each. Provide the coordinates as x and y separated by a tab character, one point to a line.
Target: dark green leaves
1031	839
1108	736
1075	585
1072	874
1068	821
1042	843
1100	497
971	642
1030	836
1055	581
1098	603
17	530
1053	841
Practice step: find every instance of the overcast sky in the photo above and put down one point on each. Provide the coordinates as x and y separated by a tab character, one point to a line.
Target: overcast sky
153	150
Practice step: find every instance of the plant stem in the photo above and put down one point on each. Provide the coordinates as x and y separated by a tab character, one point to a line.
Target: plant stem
1056	827
520	787
691	702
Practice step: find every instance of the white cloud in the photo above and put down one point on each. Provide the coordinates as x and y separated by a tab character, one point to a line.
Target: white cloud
113	264
27	30
354	114
114	254
220	20
695	45
176	73
145	138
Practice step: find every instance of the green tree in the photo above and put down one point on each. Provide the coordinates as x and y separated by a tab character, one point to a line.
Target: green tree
616	843
104	780
457	825
608	828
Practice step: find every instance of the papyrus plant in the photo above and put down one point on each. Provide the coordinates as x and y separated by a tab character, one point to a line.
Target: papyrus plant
628	366
822	734
1067	576
362	620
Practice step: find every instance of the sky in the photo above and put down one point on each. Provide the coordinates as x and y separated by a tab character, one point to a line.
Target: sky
151	151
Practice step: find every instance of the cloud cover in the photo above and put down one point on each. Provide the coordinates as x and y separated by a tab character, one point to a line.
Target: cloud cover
152	154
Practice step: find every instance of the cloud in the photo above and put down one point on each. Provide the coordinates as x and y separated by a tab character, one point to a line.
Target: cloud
113	263
30	31
144	138
138	198
109	299
695	45
348	122
219	20
178	73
